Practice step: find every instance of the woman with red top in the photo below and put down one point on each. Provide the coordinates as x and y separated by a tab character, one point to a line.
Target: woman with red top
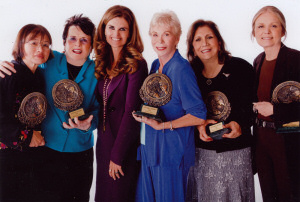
277	155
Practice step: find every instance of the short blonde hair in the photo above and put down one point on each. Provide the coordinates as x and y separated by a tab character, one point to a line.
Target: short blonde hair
168	18
276	12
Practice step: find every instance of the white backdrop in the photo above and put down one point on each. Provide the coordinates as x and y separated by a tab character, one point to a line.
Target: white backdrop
232	16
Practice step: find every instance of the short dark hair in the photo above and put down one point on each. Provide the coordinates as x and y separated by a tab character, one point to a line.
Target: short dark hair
223	54
33	31
85	24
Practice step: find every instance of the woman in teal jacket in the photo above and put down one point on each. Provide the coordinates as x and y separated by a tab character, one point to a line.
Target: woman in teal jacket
66	171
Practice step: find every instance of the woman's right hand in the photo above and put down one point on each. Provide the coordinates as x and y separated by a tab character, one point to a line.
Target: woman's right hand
202	130
6	68
37	139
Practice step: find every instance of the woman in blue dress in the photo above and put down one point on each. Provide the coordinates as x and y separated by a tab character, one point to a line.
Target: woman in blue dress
168	150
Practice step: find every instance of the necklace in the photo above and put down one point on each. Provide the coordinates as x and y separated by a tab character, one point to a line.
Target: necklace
105	98
208	81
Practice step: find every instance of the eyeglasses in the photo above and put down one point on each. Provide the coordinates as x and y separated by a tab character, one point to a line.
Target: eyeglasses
83	41
35	44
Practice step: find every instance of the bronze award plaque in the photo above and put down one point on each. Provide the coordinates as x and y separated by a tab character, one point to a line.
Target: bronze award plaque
67	96
218	108
287	92
156	91
33	109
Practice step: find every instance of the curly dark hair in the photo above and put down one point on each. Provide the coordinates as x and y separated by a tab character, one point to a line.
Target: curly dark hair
130	54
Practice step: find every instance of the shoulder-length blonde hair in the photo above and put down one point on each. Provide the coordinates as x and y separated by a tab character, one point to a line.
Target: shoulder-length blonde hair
131	51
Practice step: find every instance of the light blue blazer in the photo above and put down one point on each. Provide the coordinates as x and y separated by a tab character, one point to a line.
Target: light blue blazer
56	136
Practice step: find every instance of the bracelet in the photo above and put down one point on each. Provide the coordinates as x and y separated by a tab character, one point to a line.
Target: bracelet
163	127
171	127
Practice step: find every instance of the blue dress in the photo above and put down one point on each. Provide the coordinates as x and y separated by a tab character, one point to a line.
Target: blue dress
167	155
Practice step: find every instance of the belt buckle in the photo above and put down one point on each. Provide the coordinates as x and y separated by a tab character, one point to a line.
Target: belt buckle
264	124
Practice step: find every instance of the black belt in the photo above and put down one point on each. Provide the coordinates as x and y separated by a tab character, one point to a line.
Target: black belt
264	124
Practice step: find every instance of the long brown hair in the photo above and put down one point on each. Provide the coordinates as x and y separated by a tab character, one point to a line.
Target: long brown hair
130	53
223	54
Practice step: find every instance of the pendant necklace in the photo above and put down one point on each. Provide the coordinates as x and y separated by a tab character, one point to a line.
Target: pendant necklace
208	81
105	98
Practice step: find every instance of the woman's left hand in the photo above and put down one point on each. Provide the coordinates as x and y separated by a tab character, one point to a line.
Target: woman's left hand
151	122
82	125
264	108
236	130
115	170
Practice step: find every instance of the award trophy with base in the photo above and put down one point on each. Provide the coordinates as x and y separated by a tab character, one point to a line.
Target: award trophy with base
68	96
156	91
287	92
218	108
32	110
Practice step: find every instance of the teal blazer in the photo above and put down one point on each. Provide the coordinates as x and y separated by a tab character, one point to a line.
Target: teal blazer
56	136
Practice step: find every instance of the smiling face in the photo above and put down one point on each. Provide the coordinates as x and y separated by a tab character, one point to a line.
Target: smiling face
268	30
77	46
117	33
206	45
163	41
36	51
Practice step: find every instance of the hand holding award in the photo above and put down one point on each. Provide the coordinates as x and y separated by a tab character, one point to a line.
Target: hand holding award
67	96
218	109
156	91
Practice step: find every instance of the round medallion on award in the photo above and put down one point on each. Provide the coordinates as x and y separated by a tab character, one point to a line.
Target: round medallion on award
33	109
218	107
156	91
286	92
67	95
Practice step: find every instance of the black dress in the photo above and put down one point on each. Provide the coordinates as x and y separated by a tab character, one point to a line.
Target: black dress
17	160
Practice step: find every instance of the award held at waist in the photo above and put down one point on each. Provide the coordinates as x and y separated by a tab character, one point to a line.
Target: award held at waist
156	91
218	109
32	110
286	93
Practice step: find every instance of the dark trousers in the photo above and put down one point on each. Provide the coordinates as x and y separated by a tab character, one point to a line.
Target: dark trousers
67	176
292	144
18	175
271	163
